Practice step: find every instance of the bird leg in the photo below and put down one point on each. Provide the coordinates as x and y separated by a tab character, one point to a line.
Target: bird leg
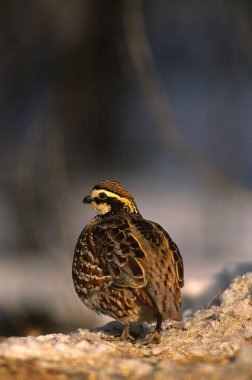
155	337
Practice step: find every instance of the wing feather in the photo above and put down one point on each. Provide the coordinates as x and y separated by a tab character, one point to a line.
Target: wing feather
120	253
176	256
140	255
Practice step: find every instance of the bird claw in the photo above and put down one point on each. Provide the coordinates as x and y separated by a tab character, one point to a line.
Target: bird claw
154	338
125	336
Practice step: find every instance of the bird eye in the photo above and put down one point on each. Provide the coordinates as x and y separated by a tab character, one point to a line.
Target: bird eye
102	196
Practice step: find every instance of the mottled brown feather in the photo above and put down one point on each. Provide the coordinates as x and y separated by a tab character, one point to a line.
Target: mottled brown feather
114	187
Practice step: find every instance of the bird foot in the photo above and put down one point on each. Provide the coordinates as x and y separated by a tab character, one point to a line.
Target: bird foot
125	336
154	338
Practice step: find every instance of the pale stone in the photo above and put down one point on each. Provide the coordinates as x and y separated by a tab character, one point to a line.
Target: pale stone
215	343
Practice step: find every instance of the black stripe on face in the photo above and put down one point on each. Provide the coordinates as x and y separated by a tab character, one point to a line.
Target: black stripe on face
115	204
98	201
108	200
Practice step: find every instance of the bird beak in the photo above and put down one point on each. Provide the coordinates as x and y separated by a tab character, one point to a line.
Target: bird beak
87	199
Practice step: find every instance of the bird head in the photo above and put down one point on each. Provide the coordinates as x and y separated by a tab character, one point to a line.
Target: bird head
110	198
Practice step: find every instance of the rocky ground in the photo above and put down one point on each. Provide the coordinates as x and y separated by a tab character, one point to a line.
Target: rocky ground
215	343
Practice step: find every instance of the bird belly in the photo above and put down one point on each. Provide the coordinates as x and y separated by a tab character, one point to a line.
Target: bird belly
119	304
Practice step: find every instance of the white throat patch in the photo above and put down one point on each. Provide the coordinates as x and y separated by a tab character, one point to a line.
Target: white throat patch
102	208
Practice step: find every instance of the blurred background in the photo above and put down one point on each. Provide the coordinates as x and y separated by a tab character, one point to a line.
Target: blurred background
156	95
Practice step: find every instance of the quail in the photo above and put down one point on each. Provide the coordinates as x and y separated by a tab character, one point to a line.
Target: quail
125	266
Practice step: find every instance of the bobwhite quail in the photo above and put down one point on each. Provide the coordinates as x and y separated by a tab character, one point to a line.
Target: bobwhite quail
125	266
